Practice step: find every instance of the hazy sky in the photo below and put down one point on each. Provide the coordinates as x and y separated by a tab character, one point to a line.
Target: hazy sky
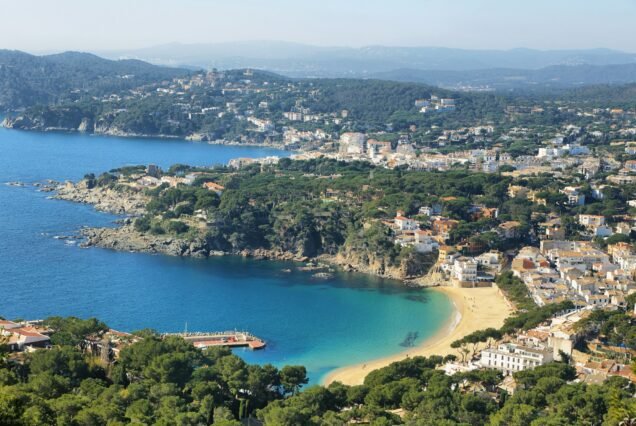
53	25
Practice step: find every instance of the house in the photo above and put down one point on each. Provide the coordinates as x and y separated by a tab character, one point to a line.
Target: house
552	229
403	223
433	210
582	259
190	178
575	198
22	336
424	242
214	187
623	228
595	225
148	181
445	253
477	212
591	220
601	231
630	148
509	230
490	260
443	226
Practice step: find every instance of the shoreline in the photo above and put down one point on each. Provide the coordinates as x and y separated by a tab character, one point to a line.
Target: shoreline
474	309
126	135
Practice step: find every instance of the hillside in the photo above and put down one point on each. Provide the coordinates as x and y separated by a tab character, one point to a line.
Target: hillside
548	78
26	79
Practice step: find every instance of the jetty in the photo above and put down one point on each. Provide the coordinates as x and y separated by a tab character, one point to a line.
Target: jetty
229	339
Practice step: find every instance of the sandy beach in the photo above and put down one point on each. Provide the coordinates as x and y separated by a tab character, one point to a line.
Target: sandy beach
475	309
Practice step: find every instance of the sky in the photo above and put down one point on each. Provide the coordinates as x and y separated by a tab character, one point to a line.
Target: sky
40	26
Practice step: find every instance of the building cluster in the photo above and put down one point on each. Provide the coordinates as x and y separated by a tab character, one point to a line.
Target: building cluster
560	339
30	336
154	177
561	270
435	104
24	336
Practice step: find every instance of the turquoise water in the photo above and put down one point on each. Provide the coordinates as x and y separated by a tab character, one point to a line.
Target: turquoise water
320	324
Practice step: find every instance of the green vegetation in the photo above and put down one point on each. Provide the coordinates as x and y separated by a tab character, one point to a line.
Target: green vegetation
515	290
27	80
166	381
615	328
162	381
316	207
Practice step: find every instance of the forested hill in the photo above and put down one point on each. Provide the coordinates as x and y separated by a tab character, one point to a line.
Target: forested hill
27	79
547	79
603	94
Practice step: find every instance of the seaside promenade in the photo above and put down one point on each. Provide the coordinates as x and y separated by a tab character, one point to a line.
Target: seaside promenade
475	309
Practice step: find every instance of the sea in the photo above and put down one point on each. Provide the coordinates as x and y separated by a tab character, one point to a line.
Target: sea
321	324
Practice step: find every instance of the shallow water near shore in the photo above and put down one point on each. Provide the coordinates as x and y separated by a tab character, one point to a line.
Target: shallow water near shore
322	324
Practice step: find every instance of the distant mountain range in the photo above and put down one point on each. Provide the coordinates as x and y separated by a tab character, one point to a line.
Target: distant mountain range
300	60
27	79
526	69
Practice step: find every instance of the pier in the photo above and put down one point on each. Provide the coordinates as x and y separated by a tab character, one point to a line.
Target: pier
229	339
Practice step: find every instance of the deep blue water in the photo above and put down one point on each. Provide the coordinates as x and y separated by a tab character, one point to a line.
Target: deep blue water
320	324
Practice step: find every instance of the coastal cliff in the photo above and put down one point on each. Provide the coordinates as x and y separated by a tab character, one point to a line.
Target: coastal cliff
411	266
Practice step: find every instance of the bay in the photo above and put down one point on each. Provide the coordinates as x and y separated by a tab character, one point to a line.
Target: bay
320	324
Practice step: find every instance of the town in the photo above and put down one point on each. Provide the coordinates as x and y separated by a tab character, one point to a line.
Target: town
525	205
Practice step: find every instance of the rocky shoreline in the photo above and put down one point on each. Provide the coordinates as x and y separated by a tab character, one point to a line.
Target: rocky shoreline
104	199
24	124
125	237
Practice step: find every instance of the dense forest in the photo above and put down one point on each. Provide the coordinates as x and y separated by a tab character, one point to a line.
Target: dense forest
27	80
324	207
166	381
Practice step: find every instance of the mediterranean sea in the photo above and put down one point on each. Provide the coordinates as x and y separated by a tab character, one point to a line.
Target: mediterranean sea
321	324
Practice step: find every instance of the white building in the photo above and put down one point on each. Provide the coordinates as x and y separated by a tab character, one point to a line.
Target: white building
591	220
510	357
352	143
575	198
425	243
405	224
465	269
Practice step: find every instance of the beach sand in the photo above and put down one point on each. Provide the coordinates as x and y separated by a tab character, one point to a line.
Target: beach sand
475	309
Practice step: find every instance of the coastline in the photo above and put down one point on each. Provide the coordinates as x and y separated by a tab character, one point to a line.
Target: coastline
474	309
131	135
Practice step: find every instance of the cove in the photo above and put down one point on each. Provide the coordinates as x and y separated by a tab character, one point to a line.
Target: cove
322	324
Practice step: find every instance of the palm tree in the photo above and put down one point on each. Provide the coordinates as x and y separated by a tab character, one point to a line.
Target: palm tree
628	422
